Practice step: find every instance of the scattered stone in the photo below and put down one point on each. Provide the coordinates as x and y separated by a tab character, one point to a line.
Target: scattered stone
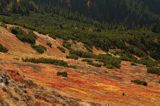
4	81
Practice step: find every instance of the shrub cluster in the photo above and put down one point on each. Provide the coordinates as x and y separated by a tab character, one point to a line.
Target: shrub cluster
90	62
109	61
73	56
49	44
2	24
90	49
46	61
63	74
3	49
61	49
67	45
39	48
73	66
81	54
153	70
146	61
139	82
23	36
136	51
126	56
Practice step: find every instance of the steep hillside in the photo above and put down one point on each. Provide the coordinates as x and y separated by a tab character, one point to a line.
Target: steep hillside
79	53
25	80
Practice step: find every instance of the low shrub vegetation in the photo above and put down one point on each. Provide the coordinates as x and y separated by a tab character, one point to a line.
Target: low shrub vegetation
139	82
154	70
136	51
73	56
73	66
67	45
146	61
87	60
81	54
109	61
61	49
23	36
3	49
3	25
140	42
90	62
49	44
46	61
39	48
123	94
63	74
127	56
90	49
133	64
95	64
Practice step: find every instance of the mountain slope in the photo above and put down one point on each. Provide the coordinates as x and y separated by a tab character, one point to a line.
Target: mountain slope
79	52
26	83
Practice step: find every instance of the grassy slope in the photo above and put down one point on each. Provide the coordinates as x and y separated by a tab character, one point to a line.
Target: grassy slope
88	83
141	40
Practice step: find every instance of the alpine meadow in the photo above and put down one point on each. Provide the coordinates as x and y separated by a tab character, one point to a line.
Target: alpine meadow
79	52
